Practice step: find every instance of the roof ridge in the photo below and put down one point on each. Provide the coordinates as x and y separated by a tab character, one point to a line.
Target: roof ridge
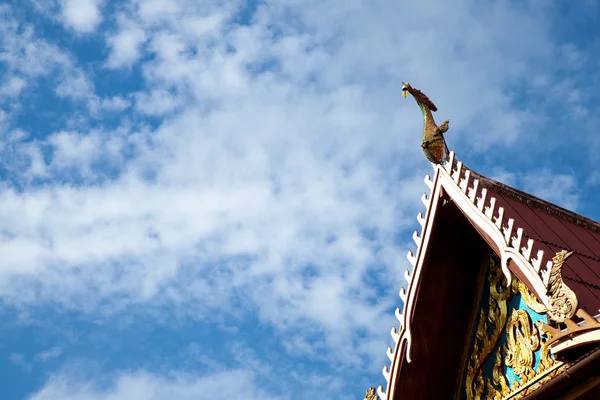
594	258
537	203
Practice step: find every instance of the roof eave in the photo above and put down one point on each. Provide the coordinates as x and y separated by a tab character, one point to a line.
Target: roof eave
457	182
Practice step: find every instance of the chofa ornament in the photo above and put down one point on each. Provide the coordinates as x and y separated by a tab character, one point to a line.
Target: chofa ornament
433	142
562	301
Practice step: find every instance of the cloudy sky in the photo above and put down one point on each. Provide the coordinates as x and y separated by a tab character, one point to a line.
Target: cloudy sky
209	199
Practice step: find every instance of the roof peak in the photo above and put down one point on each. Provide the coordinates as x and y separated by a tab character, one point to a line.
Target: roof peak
507	220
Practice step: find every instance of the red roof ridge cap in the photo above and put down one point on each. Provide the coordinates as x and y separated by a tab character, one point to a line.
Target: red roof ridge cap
537	203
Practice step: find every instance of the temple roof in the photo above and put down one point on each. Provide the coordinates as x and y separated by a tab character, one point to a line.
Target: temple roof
553	229
524	231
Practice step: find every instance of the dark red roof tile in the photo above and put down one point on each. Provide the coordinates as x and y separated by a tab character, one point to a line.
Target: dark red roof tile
554	229
586	294
587	239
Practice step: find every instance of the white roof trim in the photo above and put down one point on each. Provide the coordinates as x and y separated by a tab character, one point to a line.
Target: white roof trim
455	180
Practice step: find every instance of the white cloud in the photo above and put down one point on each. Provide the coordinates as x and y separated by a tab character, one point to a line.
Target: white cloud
46	6
12	86
280	144
23	52
29	58
72	148
18	359
81	15
504	176
157	10
157	102
125	44
268	165
50	354
115	104
143	385
561	189
75	86
593	178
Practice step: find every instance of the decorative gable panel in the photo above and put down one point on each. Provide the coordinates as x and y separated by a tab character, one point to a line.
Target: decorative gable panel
509	356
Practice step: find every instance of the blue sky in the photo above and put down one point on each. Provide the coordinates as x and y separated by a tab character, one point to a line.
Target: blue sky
205	198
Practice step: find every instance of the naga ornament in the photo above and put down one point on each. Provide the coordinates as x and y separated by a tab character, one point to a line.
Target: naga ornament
433	142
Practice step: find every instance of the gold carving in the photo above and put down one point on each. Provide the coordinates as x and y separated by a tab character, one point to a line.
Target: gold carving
562	300
489	330
563	306
498	387
524	391
371	395
528	297
546	361
524	342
